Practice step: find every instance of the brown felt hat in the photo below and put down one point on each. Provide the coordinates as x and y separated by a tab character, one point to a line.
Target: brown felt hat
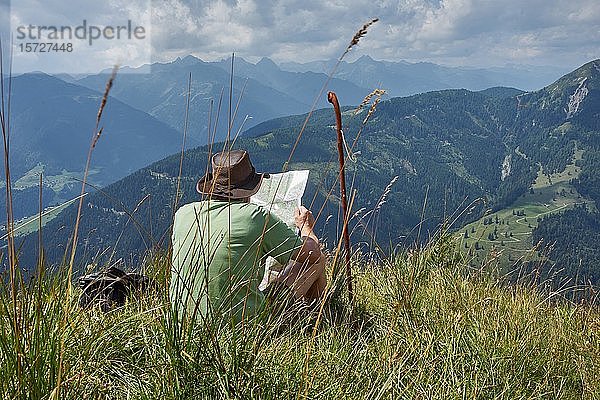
233	176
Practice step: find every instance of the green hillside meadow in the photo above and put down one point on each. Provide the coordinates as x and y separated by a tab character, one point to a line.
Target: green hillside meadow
506	234
424	325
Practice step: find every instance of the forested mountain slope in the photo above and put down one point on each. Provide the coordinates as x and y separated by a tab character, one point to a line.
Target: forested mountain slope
266	92
51	126
442	150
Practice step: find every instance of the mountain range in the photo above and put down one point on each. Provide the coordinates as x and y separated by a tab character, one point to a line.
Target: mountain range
263	90
433	155
404	78
52	118
271	91
51	126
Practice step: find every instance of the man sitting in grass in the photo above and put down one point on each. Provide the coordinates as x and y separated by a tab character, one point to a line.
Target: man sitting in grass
220	244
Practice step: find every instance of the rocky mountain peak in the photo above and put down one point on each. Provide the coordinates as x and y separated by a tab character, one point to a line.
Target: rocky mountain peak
267	63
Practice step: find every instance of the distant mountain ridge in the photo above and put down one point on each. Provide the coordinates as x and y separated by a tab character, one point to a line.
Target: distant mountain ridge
404	78
441	150
51	129
304	86
266	92
273	90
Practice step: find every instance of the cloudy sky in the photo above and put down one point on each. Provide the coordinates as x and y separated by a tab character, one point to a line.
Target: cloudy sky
561	33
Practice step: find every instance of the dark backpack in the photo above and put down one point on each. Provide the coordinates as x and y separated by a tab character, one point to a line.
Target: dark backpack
110	288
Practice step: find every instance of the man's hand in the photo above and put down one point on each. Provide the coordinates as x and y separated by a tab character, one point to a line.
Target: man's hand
304	219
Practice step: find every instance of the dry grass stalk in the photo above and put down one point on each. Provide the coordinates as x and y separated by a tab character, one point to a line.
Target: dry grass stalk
229	120
5	97
211	136
235	111
361	33
185	130
95	136
40	237
372	110
106	92
386	192
375	93
371	214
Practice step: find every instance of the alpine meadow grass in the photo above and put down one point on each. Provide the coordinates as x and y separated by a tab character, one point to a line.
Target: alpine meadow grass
424	326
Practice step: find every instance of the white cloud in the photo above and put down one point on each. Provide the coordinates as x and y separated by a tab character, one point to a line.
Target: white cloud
461	32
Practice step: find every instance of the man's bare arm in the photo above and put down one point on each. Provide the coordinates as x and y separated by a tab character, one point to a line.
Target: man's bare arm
311	250
305	273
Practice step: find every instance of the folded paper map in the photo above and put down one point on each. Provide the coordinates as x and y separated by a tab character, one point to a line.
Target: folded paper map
281	194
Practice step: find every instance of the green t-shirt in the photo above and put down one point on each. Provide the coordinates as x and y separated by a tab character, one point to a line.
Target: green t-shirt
218	256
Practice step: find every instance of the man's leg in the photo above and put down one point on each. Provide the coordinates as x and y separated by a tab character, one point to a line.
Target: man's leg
317	290
305	281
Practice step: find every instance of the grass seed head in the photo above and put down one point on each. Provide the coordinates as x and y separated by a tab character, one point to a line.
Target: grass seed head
109	85
361	32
